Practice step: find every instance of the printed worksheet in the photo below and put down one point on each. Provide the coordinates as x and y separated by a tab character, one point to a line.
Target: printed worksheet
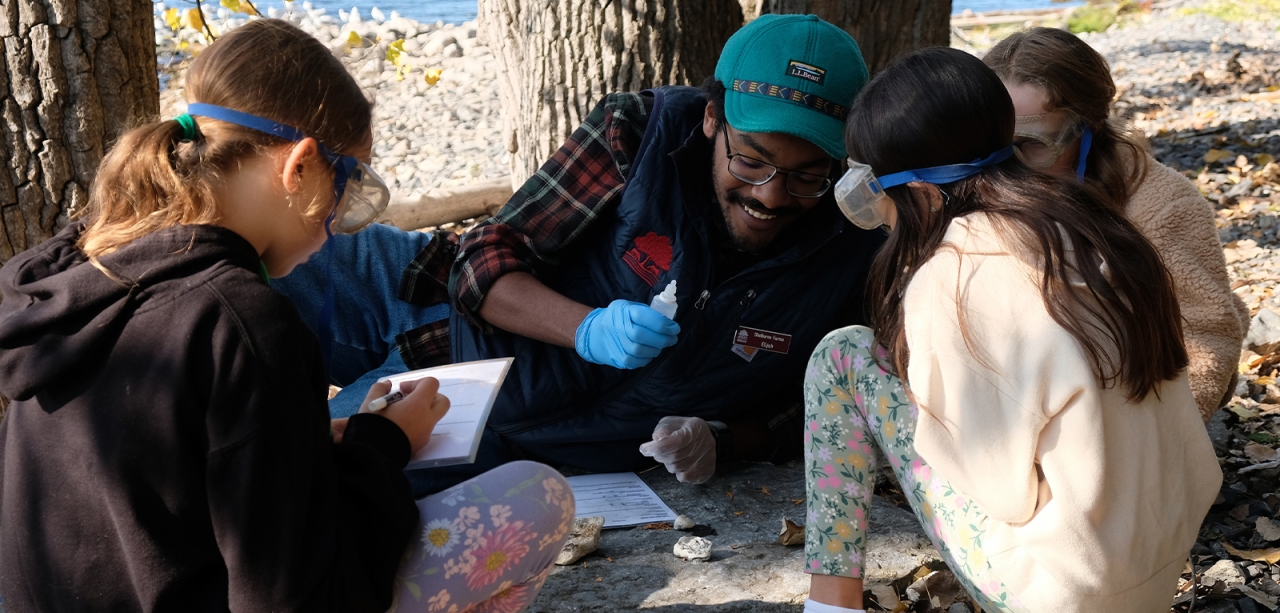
622	498
471	388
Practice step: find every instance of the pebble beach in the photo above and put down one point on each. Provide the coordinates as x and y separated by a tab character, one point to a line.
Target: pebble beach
1202	85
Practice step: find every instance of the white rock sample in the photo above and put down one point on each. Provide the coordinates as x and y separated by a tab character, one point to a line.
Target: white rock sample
684	523
1225	571
584	539
692	548
1268	529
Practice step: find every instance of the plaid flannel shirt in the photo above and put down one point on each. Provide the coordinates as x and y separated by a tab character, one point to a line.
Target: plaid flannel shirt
581	182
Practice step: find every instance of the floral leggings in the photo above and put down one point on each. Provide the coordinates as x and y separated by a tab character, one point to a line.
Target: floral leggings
487	544
851	404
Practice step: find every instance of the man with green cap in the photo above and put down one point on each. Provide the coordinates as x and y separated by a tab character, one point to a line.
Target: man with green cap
719	194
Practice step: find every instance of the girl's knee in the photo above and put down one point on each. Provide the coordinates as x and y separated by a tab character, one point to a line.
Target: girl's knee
839	342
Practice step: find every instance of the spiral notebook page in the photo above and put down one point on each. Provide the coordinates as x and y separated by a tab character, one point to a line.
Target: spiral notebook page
471	388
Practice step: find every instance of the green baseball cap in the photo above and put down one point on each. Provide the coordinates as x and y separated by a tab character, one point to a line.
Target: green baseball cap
794	74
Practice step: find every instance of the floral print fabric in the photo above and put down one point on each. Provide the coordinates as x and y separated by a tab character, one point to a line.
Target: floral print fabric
487	544
851	405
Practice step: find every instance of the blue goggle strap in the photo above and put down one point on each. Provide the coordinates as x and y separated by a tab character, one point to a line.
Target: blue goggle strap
941	175
1086	142
266	126
344	164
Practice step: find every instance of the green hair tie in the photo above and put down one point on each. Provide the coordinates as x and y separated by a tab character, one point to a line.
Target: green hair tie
189	129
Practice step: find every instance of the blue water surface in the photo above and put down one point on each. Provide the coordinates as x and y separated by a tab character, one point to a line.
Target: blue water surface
458	11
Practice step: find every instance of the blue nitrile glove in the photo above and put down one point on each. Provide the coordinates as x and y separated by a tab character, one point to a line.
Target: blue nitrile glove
624	335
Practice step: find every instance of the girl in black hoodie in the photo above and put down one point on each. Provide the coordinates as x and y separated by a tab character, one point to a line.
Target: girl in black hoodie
168	446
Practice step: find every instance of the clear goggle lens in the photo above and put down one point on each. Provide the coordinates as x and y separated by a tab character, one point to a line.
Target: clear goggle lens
858	193
1039	143
365	198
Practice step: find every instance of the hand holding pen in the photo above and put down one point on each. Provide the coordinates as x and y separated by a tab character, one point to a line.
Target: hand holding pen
416	408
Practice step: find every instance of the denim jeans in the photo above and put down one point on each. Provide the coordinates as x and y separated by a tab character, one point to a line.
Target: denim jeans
367	316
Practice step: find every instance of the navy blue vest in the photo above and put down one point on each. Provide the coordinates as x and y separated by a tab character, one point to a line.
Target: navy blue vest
556	405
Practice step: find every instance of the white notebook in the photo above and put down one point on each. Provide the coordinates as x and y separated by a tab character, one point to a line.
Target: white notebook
471	388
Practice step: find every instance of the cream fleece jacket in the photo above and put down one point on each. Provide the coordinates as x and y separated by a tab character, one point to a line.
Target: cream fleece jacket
1179	222
1094	500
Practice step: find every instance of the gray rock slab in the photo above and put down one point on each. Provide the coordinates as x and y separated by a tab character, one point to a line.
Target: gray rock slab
749	571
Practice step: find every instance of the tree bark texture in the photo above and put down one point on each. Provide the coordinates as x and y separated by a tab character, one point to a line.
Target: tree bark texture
76	73
558	58
884	29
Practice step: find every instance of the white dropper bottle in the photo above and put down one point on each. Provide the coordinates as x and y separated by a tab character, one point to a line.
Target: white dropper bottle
665	302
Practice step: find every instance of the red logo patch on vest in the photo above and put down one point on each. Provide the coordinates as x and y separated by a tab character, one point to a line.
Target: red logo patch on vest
650	257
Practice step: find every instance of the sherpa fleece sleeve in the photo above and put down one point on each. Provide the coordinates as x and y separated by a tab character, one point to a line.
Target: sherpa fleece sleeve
1179	222
302	524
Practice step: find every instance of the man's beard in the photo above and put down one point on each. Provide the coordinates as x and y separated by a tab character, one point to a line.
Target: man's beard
734	198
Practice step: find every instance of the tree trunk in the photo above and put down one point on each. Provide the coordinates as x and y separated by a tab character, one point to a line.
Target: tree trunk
76	74
557	59
884	29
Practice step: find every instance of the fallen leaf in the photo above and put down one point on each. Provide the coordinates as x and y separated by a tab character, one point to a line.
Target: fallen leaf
1267	601
885	596
797	500
729	493
1242	161
792	533
1268	529
1242	411
432	76
609	559
738	513
599	579
1239	513
1270	556
1259	453
662	525
1263	159
765	491
1217	155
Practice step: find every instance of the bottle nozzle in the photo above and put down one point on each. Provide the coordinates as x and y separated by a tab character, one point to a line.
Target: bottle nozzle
669	294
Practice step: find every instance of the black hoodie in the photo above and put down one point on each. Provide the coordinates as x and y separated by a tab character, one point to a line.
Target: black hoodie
168	448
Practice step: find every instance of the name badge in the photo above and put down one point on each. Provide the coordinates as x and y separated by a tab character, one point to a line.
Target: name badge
763	340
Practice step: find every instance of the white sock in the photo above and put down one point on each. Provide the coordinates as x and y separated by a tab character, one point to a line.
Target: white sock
813	606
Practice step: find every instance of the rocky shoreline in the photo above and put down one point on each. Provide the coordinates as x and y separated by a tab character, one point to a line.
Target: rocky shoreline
1202	89
427	135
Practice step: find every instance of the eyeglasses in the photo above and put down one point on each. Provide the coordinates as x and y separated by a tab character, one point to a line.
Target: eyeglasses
1040	148
756	172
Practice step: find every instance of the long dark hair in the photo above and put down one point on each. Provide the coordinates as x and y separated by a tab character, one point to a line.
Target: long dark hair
942	106
1077	79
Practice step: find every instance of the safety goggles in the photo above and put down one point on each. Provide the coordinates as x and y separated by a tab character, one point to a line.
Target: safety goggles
859	192
361	195
1038	143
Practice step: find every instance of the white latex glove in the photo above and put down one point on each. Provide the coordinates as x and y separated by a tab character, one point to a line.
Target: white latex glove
685	445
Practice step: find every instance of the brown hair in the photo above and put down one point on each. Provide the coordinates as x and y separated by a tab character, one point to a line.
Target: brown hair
1077	79
153	179
942	106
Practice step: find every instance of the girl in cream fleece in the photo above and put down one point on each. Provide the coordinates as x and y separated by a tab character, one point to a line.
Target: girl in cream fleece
1062	92
1026	377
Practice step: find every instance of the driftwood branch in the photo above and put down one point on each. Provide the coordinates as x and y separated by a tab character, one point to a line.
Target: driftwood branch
448	205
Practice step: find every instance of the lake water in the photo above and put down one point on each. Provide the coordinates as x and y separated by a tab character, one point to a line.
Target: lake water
458	11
